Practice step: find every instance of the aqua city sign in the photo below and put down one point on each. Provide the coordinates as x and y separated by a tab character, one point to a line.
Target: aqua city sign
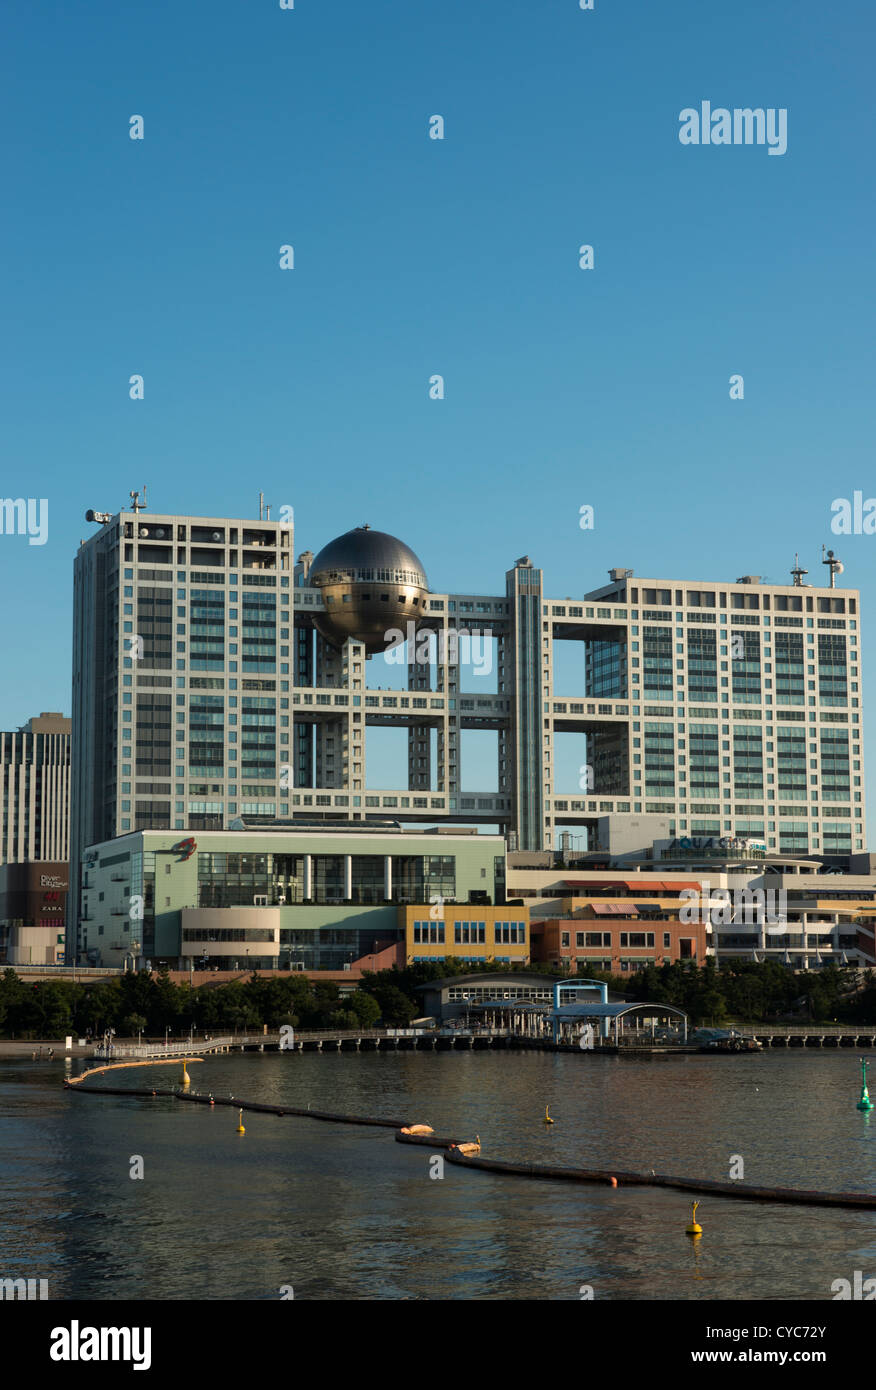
728	842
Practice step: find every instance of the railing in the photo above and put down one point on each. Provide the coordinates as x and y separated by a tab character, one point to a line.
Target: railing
169	1049
71	970
825	1029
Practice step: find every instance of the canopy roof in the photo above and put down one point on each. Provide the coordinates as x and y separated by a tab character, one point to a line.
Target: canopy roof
612	1010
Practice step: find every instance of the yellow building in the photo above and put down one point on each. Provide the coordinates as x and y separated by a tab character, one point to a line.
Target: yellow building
466	932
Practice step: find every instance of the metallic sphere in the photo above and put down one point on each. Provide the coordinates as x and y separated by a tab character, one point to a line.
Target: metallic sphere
371	583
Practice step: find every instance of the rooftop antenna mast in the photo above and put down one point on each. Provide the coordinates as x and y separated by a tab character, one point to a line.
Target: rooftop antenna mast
136	504
797	573
836	566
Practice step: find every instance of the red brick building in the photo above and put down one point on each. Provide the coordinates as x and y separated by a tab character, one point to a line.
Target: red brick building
616	936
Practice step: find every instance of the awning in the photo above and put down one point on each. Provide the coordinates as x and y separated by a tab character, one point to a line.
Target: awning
612	910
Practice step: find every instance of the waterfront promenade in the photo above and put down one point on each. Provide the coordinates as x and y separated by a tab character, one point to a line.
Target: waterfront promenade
789	1036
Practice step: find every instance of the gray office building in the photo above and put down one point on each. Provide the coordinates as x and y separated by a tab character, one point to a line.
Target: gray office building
35	787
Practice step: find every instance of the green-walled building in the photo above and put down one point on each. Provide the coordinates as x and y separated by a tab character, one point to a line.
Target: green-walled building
284	897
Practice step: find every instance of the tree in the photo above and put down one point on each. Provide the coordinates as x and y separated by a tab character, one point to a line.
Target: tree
396	1009
364	1008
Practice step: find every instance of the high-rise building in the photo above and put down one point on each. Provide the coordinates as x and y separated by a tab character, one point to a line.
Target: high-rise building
35	786
214	678
181	631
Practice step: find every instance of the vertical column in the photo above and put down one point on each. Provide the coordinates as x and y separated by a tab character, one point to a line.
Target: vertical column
354	730
529	693
329	732
308	877
302	731
348	876
387	877
420	735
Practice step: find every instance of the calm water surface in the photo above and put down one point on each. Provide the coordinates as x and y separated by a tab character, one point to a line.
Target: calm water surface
343	1212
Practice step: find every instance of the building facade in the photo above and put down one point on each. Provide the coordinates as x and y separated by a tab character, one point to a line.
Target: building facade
35	785
216	678
690	904
288	898
477	935
33	902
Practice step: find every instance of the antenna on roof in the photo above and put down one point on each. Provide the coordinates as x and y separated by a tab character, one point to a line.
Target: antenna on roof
836	566
797	573
136	504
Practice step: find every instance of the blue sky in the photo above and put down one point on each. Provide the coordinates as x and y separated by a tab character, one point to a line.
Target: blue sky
412	257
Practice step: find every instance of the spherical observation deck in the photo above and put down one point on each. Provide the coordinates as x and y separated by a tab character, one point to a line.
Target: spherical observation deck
371	583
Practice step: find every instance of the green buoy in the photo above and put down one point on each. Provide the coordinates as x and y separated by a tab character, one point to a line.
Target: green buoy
865	1103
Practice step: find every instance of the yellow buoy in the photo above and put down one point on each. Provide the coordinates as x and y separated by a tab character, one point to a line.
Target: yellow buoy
547	1118
185	1079
240	1128
694	1229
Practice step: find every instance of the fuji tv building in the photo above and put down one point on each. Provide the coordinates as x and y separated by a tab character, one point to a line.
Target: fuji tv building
730	711
711	720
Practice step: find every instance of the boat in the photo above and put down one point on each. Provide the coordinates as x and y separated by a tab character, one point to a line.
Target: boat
724	1040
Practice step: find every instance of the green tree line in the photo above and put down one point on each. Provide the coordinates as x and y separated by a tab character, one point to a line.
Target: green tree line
151	1003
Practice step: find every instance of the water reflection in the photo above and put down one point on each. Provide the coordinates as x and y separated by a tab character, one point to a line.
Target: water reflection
343	1212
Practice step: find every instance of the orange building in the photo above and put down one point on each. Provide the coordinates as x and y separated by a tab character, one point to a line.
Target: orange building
468	932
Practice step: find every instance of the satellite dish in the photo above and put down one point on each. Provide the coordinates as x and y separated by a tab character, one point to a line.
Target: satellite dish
160	534
144	531
217	536
838	566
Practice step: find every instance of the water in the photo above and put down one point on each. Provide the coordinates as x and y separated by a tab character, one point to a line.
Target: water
346	1212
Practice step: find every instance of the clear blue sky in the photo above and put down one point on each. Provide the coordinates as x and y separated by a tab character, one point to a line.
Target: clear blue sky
413	257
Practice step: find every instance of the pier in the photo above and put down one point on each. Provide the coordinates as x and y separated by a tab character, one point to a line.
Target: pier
809	1035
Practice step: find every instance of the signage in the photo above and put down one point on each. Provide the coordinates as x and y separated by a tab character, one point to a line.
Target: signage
52	881
185	848
728	842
